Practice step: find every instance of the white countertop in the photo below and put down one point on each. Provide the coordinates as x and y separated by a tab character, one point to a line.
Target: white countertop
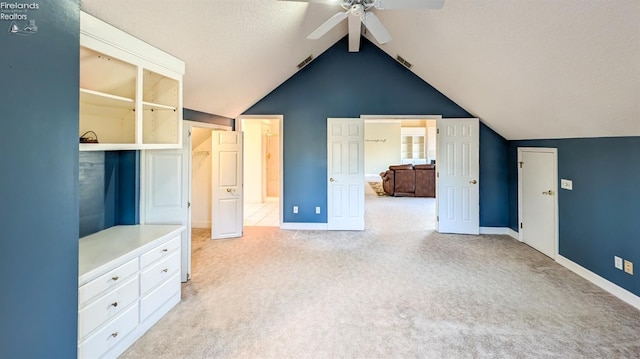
124	242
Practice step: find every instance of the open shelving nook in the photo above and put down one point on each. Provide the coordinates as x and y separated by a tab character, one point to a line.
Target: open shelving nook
130	92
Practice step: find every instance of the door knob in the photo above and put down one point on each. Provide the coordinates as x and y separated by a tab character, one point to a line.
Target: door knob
331	179
473	182
549	192
229	190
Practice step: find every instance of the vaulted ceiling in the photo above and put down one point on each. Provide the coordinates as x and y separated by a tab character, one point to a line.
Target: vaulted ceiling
528	69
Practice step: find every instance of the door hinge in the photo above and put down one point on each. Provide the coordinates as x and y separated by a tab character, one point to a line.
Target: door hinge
438	174
521	225
189	133
437	218
437	131
188	204
521	163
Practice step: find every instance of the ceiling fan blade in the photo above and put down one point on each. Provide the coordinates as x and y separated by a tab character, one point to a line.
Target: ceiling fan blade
375	27
355	28
328	25
409	4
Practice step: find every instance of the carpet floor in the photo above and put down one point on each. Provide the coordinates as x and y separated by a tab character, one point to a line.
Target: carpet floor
396	290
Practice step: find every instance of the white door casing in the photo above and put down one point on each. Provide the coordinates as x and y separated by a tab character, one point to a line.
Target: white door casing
226	190
457	180
345	174
164	195
538	199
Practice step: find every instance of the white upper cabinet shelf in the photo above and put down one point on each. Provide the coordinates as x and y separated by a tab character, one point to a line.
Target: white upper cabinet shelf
130	91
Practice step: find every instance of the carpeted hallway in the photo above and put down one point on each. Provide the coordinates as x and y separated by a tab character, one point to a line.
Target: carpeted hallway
396	290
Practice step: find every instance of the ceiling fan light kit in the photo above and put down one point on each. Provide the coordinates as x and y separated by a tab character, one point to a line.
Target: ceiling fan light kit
358	12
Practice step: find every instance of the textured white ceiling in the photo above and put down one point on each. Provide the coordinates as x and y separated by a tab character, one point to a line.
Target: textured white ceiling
528	69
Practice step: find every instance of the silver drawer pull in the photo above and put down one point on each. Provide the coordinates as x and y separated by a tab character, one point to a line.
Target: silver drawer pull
114	304
115	278
114	334
165	250
165	270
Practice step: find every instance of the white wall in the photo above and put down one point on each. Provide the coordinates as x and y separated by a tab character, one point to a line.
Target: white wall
381	146
273	159
253	154
201	178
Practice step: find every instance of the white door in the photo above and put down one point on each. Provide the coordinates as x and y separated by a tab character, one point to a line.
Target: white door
226	189
165	194
345	174
537	189
458	169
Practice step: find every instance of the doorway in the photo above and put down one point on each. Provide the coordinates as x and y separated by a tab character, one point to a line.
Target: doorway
395	140
537	198
263	168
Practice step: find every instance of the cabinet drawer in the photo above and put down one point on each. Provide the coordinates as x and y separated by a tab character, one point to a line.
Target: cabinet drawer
160	251
114	331
107	281
107	306
159	272
159	296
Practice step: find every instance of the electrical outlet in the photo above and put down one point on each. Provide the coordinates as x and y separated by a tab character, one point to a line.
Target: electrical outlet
566	184
617	261
317	210
295	209
628	267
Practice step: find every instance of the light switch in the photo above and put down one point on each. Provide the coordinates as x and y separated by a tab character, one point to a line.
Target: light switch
295	209
317	210
566	184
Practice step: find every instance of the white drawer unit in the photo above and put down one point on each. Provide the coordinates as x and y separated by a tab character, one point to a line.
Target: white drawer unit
107	281
162	251
109	305
109	334
129	278
154	300
159	272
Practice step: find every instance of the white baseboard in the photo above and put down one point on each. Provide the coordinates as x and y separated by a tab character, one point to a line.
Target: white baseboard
304	226
499	230
200	224
610	287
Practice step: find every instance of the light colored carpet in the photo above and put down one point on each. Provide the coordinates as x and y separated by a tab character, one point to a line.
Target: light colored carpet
396	290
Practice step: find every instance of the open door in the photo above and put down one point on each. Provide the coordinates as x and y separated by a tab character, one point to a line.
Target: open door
345	174
226	190
458	170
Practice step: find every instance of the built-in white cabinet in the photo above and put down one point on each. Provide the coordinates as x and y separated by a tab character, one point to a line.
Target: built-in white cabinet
413	145
130	92
129	278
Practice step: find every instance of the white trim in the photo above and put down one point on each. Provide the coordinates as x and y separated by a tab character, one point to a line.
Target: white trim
200	224
304	226
206	125
400	117
610	287
500	231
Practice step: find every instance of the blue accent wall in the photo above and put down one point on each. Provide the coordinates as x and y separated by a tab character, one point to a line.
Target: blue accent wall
109	190
599	218
193	115
343	84
39	185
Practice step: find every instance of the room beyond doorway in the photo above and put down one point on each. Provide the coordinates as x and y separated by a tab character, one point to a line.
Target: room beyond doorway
262	169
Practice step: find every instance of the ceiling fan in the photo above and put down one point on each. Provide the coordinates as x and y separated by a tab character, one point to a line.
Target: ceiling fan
358	12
